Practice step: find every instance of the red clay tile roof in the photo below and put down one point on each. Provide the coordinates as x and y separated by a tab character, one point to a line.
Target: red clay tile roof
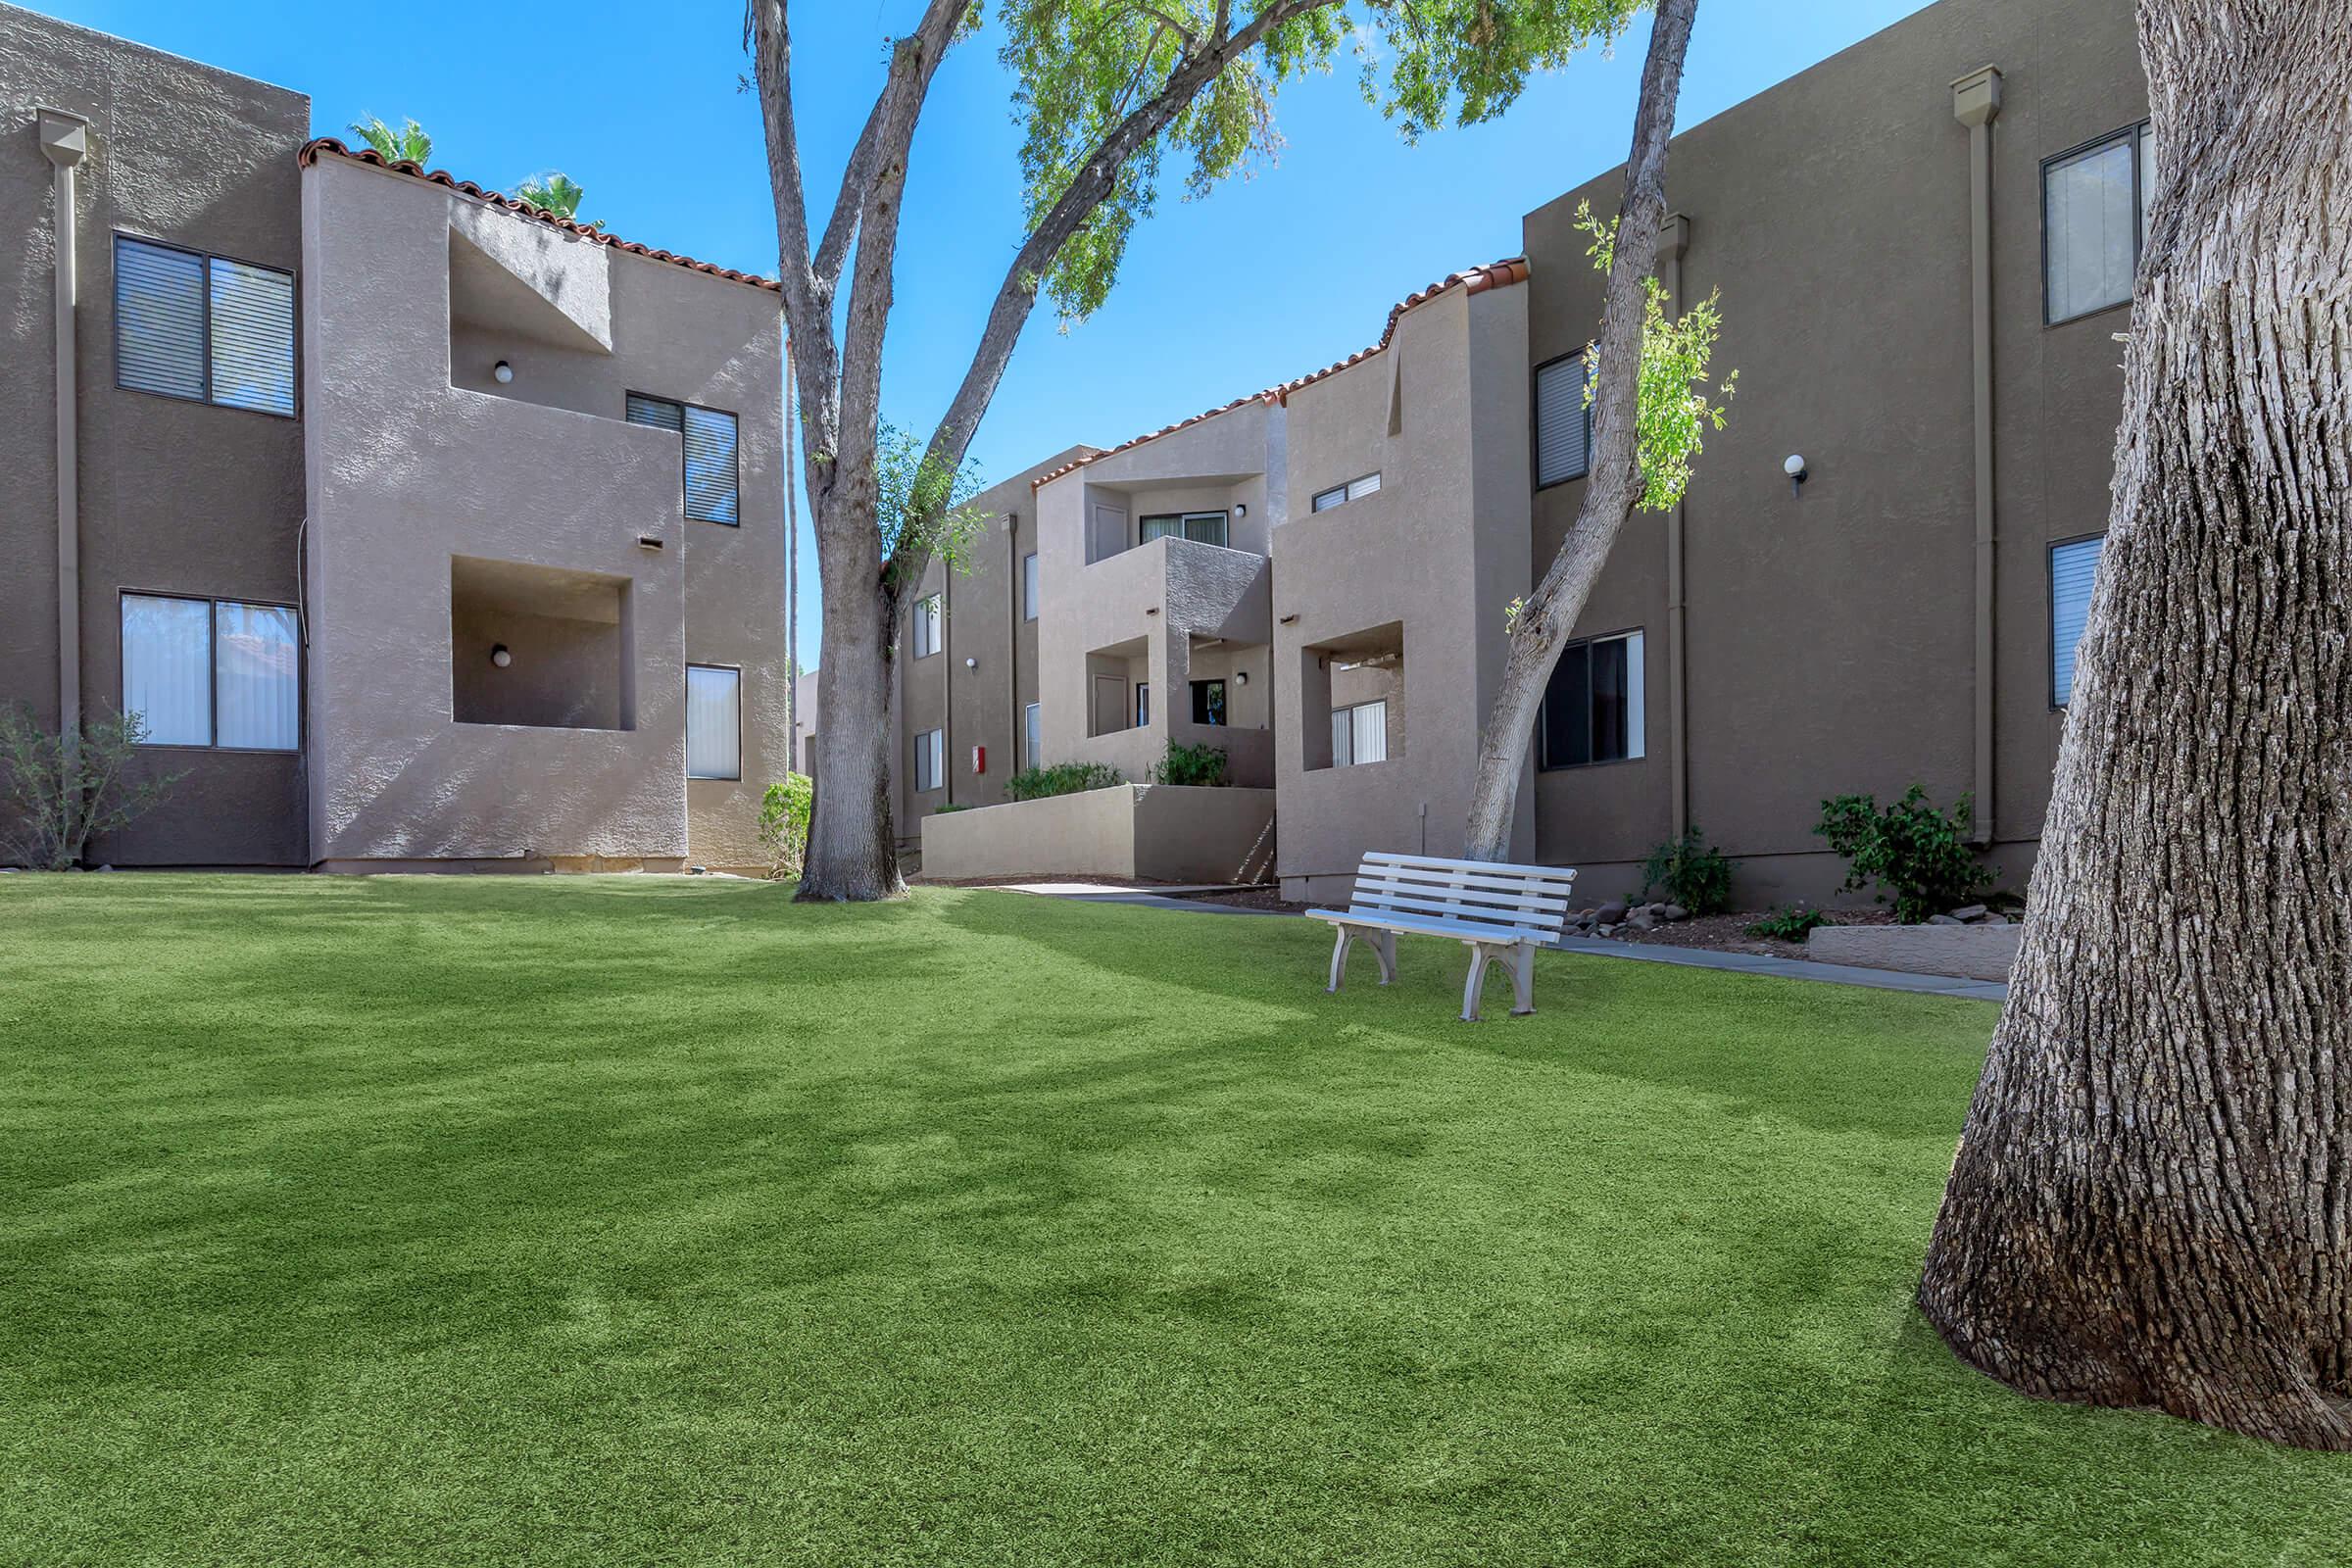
1475	280
368	155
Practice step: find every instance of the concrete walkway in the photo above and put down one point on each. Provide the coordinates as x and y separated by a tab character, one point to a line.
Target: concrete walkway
1589	947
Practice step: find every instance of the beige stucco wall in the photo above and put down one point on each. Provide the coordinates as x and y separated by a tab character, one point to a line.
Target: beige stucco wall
1160	832
1832	634
175	497
407	470
1437	553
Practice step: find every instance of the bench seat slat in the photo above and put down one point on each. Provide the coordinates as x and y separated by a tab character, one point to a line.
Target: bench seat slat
1467	880
1437	928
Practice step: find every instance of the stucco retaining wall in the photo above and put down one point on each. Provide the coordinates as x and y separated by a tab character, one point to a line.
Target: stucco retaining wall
1969	952
1171	832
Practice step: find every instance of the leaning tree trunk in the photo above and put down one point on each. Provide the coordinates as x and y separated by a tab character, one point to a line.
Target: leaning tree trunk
853	851
1541	629
2152	1202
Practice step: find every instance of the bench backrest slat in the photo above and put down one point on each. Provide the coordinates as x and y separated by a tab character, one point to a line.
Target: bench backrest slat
1479	894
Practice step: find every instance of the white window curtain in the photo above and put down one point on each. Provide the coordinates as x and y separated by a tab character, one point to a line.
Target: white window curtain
167	667
2074	570
930	760
257	652
1032	737
1563	426
1359	734
926	626
713	728
1029	587
1637	699
2090	209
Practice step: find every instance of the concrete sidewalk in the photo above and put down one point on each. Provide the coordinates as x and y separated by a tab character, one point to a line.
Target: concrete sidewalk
1588	947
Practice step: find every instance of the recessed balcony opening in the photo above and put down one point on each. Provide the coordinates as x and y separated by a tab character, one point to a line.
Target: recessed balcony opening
1351	699
1228	687
1119	687
531	323
539	647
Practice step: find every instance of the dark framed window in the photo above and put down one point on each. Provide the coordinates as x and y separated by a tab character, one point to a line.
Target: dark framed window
1594	709
930	760
1202	527
1033	751
1208	702
927	625
712	459
1563	423
202	327
1029	587
2073	570
217	673
1341	494
2095	218
1142	704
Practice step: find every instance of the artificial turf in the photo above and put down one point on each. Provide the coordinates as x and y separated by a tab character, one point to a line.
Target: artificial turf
624	1221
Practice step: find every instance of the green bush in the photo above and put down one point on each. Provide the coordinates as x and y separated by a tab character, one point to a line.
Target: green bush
1789	923
56	797
945	807
1062	778
1191	764
1693	871
1920	854
784	823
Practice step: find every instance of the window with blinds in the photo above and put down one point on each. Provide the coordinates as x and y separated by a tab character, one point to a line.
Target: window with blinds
1032	735
928	615
212	672
713	479
714	722
2094	214
2074	568
1029	587
1563	424
1359	734
1594	706
203	327
1202	527
1341	494
930	760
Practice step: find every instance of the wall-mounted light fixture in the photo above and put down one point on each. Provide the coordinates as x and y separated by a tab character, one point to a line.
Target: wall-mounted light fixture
1240	509
1794	469
500	656
502	372
971	663
1241	678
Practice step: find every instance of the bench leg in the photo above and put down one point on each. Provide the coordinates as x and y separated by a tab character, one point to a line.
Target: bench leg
1383	947
1339	958
1476	984
1523	980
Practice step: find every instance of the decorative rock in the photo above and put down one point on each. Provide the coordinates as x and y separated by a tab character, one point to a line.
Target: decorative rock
1973	911
1604	930
1944	919
1673	912
1642	919
1610	914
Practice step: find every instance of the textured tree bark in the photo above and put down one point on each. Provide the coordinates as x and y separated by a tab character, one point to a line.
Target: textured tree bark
2152	1202
1549	615
853	851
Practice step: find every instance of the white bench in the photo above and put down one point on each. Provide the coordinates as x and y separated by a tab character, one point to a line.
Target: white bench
1495	910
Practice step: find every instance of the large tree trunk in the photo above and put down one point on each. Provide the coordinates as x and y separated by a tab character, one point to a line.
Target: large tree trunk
2152	1202
853	847
1549	613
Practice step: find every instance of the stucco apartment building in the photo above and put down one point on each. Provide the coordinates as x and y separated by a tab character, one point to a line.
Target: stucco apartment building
421	531
1922	248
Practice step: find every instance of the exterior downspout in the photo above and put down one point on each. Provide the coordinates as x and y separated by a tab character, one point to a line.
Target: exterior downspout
1674	239
65	142
1976	102
1016	603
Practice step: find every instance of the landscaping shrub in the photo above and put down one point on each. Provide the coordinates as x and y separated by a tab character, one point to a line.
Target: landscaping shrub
784	823
1191	764
945	807
54	798
1789	923
1694	872
1920	854
1062	778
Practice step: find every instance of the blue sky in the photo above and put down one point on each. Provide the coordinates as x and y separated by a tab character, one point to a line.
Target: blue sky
1266	278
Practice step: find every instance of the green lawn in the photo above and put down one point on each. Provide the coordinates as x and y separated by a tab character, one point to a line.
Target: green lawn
643	1221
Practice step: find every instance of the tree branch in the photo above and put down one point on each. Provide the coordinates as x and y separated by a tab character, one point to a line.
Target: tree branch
1096	178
